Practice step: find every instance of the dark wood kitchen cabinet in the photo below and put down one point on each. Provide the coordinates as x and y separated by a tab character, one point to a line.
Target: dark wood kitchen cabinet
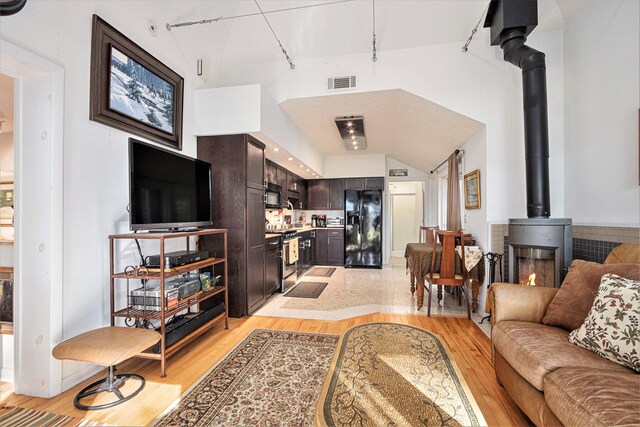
329	247
325	194
318	194
369	183
306	250
238	161
272	261
336	194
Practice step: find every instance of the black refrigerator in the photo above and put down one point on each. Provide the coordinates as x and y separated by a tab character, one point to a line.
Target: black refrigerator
363	228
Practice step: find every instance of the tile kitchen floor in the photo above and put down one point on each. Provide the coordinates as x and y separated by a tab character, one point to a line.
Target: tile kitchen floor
353	292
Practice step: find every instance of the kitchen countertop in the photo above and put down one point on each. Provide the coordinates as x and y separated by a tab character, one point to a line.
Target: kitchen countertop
302	230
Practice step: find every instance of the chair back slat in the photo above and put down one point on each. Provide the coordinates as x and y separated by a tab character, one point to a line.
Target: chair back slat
448	255
427	234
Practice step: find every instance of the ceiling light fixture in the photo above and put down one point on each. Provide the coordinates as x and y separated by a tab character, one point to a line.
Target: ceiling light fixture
290	158
276	149
351	131
301	166
308	170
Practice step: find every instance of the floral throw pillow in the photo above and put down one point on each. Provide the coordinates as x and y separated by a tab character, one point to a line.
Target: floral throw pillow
611	328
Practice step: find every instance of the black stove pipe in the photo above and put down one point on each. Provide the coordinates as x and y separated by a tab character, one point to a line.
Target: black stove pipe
536	128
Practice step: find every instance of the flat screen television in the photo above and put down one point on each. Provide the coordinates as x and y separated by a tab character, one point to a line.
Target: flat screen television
167	190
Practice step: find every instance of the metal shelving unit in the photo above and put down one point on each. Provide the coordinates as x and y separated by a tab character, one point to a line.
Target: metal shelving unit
162	274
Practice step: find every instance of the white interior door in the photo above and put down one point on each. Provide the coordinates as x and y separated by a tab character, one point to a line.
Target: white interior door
407	218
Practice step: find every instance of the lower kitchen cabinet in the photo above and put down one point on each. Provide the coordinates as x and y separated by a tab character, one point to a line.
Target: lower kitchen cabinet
306	250
255	278
272	265
329	247
336	247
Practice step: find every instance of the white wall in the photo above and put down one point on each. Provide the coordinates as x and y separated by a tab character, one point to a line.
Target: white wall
6	358
95	156
354	166
475	220
6	156
478	84
250	109
602	92
227	110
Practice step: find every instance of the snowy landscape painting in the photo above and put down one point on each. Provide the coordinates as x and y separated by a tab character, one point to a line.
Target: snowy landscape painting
140	94
133	91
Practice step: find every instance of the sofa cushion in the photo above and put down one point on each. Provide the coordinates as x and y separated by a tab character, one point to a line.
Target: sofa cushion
574	299
611	328
534	350
624	254
593	397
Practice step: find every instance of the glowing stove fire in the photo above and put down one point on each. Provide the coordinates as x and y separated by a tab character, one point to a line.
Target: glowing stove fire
532	280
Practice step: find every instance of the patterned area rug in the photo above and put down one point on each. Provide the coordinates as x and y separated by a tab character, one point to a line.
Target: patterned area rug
23	417
271	378
390	374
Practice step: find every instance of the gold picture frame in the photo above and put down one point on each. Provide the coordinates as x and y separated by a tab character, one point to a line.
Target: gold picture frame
472	190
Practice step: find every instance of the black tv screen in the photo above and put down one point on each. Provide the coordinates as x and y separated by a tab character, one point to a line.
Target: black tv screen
167	190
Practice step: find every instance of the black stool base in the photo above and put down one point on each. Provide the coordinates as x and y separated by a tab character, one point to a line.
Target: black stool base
110	384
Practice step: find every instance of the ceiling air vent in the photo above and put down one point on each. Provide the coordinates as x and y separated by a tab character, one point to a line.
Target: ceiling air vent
339	83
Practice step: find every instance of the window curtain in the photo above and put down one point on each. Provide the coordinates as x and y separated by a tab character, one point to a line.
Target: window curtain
454	221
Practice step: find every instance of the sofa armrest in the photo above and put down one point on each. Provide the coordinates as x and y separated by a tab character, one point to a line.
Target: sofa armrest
518	302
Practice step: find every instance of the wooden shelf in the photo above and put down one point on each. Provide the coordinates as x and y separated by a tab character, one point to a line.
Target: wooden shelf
168	235
178	345
154	273
183	304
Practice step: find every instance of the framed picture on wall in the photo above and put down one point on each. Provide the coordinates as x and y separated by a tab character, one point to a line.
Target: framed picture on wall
133	91
472	190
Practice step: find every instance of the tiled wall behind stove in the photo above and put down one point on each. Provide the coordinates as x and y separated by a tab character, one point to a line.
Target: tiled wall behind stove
591	243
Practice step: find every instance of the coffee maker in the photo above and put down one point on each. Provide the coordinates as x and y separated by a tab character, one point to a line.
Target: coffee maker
322	221
314	220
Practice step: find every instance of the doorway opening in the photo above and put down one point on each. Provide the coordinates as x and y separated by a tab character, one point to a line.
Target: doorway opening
407	214
38	221
7	197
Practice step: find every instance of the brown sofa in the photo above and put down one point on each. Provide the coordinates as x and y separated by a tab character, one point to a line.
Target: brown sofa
553	381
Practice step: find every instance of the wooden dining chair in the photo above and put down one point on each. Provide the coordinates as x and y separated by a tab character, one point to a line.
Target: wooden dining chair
446	275
428	233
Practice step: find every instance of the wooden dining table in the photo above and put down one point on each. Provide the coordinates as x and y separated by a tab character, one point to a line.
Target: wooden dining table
418	264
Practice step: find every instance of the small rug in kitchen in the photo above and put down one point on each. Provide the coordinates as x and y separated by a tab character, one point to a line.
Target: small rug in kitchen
307	290
321	272
23	417
271	378
391	374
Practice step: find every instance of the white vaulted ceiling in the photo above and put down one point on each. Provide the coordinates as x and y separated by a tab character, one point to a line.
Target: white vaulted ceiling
399	124
333	29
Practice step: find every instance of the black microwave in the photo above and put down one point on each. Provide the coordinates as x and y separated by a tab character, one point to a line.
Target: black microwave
273	196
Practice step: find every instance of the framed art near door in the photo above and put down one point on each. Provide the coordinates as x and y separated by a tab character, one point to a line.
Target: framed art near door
133	91
472	190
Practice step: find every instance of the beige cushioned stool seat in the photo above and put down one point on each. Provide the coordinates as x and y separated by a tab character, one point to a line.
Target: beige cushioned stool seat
106	346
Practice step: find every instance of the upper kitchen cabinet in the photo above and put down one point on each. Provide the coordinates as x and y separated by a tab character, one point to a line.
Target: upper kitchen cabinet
270	172
325	194
374	183
318	194
370	183
336	194
255	164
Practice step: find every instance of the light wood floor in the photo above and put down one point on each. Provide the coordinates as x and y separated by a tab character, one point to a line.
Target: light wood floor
469	346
